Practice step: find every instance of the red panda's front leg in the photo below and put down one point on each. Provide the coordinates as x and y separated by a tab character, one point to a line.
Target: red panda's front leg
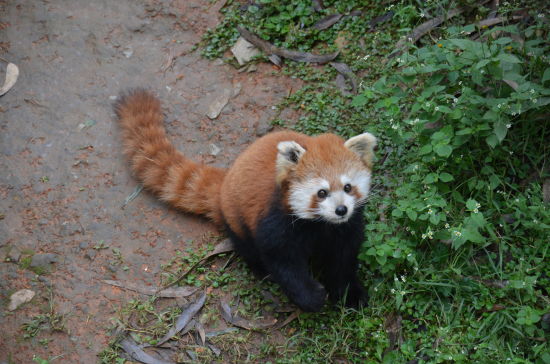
292	273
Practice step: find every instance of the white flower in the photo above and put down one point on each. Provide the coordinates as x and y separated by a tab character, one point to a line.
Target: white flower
476	211
455	100
437	108
478	205
430	211
403	278
423	15
458	233
535	101
508	126
392	290
532	91
459	83
447	226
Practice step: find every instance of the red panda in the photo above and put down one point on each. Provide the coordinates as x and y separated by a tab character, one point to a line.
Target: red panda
291	203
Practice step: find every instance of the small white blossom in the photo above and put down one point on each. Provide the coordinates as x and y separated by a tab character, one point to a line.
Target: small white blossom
404	279
447	226
508	126
476	211
535	101
392	290
437	108
532	91
457	233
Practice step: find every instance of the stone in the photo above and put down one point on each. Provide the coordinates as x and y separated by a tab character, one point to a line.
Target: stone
90	254
214	150
244	51
43	260
14	255
20	297
216	106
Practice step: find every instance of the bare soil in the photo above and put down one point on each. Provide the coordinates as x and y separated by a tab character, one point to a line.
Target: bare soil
63	179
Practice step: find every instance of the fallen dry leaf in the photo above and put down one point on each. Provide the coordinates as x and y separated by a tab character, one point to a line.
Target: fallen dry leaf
12	72
184	318
136	353
152	291
241	322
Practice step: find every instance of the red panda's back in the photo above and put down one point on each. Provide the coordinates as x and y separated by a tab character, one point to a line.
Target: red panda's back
249	185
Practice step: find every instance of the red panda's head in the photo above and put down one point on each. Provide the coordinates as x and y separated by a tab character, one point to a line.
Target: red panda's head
327	178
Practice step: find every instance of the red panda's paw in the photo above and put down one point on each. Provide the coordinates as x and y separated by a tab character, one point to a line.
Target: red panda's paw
356	296
311	299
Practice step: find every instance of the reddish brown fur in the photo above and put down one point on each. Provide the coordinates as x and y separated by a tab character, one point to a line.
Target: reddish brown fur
238	197
159	166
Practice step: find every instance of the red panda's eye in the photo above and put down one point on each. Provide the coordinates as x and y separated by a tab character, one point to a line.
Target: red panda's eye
322	193
347	188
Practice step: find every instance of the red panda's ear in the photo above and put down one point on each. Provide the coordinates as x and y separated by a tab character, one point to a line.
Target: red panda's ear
289	153
362	145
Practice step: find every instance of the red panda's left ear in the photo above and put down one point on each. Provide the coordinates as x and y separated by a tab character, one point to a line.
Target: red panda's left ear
363	145
288	155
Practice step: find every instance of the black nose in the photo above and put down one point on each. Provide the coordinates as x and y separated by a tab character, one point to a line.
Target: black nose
341	210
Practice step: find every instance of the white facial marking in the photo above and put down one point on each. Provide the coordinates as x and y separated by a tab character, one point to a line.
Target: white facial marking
301	194
360	180
327	208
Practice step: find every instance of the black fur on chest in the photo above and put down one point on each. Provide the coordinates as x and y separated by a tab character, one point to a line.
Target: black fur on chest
285	248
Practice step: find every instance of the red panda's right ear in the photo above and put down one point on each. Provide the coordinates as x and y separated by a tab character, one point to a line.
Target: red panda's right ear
288	155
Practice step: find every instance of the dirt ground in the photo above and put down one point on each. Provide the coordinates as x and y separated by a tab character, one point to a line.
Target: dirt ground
63	180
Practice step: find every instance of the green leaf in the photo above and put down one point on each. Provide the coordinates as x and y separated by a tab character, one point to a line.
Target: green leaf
482	63
472	234
471	204
397	213
508	58
425	149
492	140
500	130
443	150
430	178
546	75
359	100
445	177
412	214
503	40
